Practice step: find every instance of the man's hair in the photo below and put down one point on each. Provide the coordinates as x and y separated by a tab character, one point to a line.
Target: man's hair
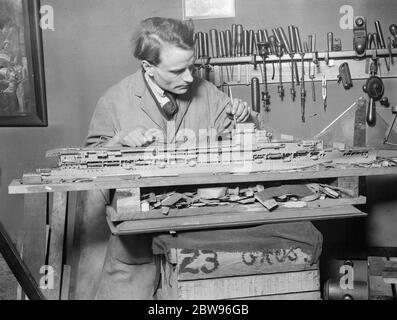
157	32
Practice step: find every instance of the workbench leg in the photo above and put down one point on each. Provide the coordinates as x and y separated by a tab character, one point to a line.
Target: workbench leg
33	235
56	246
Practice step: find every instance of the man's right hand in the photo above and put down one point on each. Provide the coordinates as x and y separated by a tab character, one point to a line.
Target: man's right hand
140	137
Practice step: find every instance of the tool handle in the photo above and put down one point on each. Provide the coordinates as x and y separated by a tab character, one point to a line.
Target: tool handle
214	40
257	40
371	113
239	40
205	47
298	40
251	42
200	44
196	46
255	94
245	43
292	39
330	41
222	44
228	43
284	40
234	40
310	43
370	40
265	36
380	34
276	33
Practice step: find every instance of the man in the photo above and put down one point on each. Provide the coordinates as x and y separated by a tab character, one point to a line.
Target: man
161	101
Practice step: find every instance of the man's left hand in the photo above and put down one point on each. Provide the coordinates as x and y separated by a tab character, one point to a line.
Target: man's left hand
238	110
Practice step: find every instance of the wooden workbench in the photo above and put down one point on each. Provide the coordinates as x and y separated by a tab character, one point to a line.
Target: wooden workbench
49	209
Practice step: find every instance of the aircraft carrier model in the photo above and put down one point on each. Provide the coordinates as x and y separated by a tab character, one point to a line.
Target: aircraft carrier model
248	151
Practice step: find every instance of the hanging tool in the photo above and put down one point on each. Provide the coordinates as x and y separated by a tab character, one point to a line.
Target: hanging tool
324	90
291	52
263	48
272	48
382	41
206	56
239	49
234	40
292	39
370	45
245	52
215	53
255	95
393	31
302	54
312	70
345	76
315	54
279	53
359	36
330	44
389	47
228	51
375	89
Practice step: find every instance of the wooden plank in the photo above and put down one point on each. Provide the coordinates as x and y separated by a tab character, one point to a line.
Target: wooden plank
313	295
379	289
233	219
34	233
55	261
193	264
65	282
16	187
238	208
248	286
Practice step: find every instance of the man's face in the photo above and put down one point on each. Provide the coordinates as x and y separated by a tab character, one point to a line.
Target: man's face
174	72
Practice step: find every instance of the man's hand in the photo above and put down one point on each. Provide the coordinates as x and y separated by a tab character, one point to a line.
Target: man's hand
238	110
140	137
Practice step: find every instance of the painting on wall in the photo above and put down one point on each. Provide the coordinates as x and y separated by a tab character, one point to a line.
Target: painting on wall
22	83
208	9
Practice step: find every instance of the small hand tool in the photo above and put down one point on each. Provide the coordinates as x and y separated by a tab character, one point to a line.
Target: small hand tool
324	90
312	70
255	95
280	53
370	44
382	41
302	54
272	48
263	48
292	54
330	44
239	49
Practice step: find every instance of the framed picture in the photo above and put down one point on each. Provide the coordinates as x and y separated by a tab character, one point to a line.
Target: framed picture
208	9
22	82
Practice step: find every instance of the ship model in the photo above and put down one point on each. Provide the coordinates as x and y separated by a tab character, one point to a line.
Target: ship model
248	150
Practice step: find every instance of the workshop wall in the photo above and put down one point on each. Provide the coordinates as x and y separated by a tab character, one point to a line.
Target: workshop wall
90	50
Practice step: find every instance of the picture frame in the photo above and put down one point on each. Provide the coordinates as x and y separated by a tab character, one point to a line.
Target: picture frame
208	9
22	79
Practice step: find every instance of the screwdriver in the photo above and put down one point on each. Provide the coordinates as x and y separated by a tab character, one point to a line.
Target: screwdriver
292	41
382	41
279	53
312	70
289	48
272	42
302	54
263	48
370	44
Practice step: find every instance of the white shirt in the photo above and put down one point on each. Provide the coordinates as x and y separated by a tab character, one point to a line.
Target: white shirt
157	91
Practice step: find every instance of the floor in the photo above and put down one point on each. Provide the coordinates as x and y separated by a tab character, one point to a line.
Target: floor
8	283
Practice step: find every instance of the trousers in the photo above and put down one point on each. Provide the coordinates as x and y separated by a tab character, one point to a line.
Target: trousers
109	267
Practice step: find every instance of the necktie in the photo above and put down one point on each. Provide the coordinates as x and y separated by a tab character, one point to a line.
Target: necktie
170	108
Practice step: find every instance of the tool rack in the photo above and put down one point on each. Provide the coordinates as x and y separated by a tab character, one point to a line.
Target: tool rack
331	72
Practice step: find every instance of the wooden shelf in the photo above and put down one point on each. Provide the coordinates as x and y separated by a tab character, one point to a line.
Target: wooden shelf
232	219
16	187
